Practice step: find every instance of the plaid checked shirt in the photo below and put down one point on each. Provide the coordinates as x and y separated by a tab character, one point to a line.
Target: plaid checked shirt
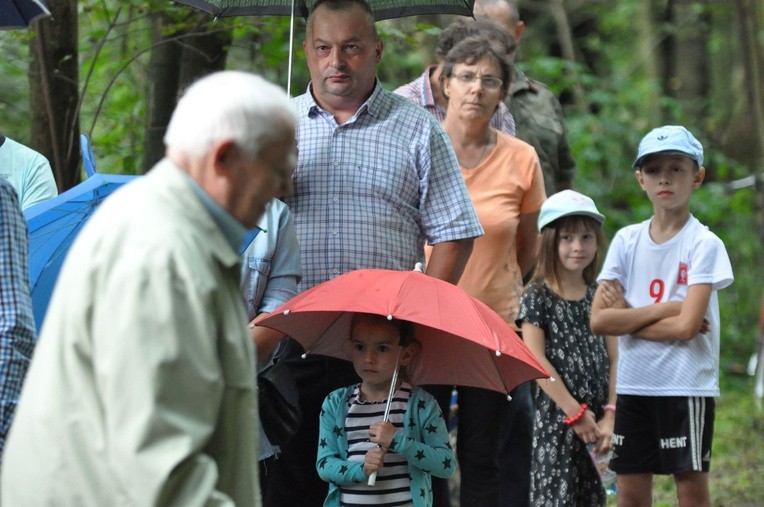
370	192
17	328
419	92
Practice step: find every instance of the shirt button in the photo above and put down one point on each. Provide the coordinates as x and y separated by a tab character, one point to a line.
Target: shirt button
335	231
336	271
336	163
336	199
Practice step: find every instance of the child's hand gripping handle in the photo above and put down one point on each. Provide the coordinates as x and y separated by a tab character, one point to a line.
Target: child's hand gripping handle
390	394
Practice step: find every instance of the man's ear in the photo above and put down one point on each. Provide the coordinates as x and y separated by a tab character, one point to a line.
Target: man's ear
378	50
519	29
224	153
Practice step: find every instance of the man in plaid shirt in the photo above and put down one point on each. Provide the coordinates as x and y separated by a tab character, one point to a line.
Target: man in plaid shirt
376	178
17	329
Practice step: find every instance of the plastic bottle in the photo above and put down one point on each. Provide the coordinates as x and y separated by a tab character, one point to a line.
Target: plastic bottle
601	462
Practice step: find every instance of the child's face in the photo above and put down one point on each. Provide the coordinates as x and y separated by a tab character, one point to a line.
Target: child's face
374	349
576	248
669	180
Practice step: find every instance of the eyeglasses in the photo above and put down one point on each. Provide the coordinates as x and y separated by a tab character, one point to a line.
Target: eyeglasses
489	82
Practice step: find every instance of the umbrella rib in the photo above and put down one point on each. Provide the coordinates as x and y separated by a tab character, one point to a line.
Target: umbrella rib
495	362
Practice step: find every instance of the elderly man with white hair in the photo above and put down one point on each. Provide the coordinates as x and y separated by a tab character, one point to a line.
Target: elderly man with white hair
142	388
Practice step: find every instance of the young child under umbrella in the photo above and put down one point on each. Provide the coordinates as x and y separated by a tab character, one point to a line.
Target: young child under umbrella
383	425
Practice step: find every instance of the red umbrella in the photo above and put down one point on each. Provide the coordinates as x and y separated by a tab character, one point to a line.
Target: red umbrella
463	341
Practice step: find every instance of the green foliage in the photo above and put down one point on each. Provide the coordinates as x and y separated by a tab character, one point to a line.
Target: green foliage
610	99
622	104
113	58
14	98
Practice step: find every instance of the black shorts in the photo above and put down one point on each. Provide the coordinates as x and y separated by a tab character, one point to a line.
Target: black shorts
663	434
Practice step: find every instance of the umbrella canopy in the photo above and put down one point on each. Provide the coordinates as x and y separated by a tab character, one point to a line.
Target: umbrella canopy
383	9
463	342
53	225
20	13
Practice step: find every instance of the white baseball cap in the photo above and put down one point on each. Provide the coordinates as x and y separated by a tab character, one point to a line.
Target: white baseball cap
567	203
670	140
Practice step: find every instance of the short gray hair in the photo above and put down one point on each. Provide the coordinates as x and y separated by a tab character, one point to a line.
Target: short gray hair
230	105
473	49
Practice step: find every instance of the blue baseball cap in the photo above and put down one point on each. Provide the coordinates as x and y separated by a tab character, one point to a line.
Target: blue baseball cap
567	203
670	140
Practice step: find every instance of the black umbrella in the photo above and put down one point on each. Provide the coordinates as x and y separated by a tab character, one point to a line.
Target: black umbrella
20	13
383	9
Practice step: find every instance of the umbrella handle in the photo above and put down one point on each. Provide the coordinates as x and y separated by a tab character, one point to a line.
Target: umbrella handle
390	394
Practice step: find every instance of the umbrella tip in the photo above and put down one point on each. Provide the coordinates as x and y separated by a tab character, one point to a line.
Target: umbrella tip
552	379
286	312
498	353
304	355
389	317
509	398
418	267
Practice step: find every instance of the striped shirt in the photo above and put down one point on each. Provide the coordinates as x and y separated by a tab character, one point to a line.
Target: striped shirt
370	192
392	486
419	91
17	328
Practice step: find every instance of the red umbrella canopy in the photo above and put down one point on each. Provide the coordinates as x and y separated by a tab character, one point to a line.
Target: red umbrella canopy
463	342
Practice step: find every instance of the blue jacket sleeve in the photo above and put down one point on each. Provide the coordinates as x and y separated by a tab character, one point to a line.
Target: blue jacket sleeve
331	463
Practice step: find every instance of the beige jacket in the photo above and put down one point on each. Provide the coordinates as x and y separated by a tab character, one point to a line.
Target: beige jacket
142	387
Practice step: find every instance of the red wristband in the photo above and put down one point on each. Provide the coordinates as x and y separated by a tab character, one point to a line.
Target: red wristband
570	421
609	408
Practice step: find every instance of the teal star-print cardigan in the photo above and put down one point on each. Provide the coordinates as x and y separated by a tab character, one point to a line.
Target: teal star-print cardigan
424	443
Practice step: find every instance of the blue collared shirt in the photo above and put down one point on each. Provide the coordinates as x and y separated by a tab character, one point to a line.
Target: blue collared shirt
231	228
270	272
270	268
370	192
17	327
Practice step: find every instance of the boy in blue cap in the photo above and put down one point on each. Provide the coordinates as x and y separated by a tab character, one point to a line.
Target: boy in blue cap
658	292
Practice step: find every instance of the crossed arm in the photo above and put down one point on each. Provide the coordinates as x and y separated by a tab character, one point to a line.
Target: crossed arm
671	320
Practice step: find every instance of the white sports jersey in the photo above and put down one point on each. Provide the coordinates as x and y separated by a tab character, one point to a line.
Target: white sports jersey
652	273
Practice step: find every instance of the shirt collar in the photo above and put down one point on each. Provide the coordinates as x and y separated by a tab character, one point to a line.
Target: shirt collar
373	104
520	82
233	231
428	98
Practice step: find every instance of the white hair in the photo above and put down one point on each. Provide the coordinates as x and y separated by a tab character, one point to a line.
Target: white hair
230	105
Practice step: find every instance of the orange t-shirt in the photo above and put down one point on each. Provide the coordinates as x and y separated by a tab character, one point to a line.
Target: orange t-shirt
507	183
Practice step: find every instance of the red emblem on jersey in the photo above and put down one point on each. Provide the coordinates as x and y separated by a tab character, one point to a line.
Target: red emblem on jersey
682	278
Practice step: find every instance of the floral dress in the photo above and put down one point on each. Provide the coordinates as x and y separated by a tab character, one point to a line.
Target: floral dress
562	473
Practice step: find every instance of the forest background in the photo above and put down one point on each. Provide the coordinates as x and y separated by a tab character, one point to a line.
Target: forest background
113	69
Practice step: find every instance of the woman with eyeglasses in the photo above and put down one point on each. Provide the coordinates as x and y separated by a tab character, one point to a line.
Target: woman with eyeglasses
505	183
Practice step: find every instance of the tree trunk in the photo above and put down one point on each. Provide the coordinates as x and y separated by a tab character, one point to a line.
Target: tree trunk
647	38
177	60
753	61
567	48
54	93
164	68
687	68
205	51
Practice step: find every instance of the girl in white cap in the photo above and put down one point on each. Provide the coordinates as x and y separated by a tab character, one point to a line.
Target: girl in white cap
578	407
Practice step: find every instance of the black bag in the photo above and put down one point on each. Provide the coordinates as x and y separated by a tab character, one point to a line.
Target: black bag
279	406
